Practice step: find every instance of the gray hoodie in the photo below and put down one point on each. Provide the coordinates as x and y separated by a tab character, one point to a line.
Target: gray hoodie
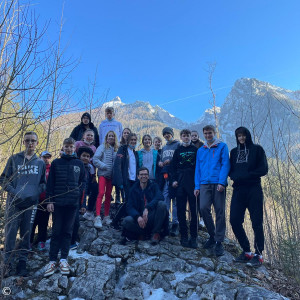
103	160
24	180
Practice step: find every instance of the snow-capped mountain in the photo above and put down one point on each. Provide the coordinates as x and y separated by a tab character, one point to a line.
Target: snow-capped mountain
271	113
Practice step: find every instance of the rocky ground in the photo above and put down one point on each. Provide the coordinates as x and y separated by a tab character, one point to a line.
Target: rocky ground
103	269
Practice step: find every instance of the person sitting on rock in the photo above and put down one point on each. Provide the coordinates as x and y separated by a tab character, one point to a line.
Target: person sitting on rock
147	211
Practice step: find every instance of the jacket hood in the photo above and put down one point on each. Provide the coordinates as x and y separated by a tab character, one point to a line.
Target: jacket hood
247	133
214	144
171	142
22	154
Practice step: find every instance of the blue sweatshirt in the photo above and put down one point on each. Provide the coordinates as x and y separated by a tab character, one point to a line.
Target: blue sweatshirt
212	165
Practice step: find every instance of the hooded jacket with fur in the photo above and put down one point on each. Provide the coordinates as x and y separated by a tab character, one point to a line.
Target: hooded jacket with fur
248	162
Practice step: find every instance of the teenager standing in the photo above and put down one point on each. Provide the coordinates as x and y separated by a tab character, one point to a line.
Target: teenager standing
24	180
211	174
248	163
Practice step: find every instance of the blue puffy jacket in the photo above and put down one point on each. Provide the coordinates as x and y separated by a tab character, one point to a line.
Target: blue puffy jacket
212	165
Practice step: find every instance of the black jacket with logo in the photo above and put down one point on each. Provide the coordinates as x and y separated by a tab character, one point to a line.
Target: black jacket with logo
66	181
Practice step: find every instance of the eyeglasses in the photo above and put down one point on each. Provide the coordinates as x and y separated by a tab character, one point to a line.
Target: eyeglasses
30	141
144	175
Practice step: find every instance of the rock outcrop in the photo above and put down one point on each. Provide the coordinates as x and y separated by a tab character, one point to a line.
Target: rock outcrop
103	269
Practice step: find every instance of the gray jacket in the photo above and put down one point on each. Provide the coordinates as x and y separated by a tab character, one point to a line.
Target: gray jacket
103	160
24	180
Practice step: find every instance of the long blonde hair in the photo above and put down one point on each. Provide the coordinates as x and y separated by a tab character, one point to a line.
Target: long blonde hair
116	146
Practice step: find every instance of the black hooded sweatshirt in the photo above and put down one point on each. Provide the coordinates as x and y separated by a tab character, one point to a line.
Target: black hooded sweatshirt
78	131
248	162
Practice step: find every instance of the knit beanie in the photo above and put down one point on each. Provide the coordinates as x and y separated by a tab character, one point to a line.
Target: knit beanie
167	130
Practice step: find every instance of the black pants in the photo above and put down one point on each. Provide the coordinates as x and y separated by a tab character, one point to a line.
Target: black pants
118	192
93	193
157	221
75	229
121	213
251	198
62	228
186	193
40	221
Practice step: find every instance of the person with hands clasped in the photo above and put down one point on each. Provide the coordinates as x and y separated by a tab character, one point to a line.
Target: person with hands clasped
212	168
147	211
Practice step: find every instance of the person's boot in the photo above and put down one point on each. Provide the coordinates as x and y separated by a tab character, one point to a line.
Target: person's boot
155	239
193	243
184	242
21	268
174	230
209	243
219	249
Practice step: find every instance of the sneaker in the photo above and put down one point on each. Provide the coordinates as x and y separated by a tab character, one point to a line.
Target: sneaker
193	243
255	261
89	215
155	239
50	268
64	267
184	242
41	246
209	243
107	220
219	249
73	246
97	222
243	258
21	268
174	230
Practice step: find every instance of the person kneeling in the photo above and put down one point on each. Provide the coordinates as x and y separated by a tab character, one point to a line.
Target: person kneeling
147	211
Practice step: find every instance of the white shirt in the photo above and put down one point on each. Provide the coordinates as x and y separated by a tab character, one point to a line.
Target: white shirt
132	165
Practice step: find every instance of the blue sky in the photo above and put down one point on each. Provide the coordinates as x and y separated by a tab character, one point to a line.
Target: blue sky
157	50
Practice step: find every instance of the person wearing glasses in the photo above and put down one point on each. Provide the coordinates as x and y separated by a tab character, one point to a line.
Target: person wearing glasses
147	211
24	180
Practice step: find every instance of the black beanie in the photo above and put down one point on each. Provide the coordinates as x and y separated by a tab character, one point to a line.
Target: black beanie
86	114
85	149
167	130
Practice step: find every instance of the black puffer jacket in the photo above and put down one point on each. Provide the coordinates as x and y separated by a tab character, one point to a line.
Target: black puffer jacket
121	166
66	181
78	131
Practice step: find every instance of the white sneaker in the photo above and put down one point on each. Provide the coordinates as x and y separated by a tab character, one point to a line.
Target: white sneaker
97	222
107	220
50	269
64	267
89	215
201	223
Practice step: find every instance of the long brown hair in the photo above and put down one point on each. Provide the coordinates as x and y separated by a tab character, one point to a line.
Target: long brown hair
116	146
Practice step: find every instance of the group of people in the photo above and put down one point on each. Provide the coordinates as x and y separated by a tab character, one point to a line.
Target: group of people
159	187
